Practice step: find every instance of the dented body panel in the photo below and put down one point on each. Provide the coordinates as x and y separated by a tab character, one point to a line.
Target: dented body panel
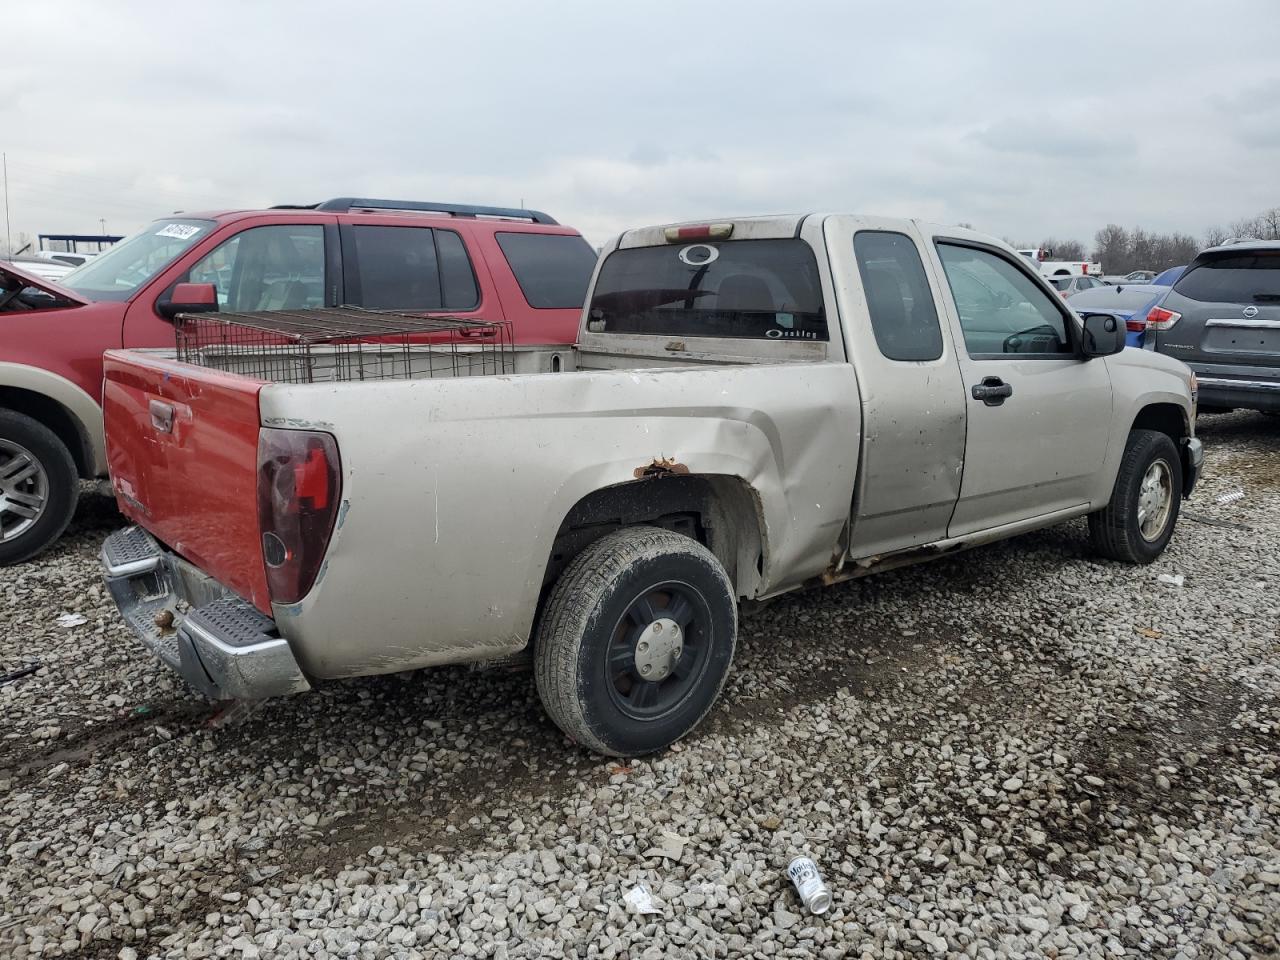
446	550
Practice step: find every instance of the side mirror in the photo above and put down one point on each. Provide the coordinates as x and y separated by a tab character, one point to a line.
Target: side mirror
1103	335
189	298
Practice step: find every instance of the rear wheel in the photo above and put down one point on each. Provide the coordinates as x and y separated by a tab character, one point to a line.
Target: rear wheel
1137	524
635	641
38	487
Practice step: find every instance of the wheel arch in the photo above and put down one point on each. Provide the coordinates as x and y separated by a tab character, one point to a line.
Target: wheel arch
62	406
65	425
1167	418
1171	420
722	512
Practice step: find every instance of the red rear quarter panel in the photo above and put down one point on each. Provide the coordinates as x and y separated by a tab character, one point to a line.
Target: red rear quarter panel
195	487
528	324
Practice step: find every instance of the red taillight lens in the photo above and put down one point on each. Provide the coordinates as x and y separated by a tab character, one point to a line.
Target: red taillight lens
1161	319
299	485
1135	324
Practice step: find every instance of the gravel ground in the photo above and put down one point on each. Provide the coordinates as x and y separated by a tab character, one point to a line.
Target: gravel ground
1016	752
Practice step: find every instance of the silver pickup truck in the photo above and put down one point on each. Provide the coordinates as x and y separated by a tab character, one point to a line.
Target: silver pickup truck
753	406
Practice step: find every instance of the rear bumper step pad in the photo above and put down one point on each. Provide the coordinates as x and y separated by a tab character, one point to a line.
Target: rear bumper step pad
216	641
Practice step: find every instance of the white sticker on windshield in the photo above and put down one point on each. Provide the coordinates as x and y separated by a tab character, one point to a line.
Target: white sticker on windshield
179	231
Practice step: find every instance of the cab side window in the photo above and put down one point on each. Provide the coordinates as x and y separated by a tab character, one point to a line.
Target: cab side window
1002	310
266	268
903	316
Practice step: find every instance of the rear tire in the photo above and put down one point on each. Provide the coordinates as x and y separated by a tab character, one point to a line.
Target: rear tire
1135	527
635	641
39	487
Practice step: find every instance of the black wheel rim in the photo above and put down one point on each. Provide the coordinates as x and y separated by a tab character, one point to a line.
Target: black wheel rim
642	697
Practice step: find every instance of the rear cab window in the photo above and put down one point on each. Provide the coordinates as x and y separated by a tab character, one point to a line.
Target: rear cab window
553	270
1245	277
756	289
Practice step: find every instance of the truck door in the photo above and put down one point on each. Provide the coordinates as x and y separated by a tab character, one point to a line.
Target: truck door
1038	416
912	397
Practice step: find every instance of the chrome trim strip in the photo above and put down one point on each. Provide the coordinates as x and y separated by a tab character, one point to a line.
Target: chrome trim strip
1242	384
1251	324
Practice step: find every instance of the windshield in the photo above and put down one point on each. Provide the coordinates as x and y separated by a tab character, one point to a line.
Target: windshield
1059	283
117	273
734	288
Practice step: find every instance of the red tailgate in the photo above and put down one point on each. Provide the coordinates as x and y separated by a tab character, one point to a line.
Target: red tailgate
182	445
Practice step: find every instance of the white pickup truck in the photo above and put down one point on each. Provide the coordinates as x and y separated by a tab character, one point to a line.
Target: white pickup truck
753	406
1043	259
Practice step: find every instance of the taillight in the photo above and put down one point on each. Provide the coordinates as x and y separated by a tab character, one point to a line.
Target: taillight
299	485
1161	319
1135	324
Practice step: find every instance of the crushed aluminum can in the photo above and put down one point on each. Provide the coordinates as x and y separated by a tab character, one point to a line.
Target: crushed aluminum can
809	884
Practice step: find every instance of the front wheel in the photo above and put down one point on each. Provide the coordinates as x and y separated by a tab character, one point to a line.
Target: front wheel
635	641
1137	524
38	487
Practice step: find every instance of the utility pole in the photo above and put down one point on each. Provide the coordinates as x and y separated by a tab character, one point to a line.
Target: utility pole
8	238
103	221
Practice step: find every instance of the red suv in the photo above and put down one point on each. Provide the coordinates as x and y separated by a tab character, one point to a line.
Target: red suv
482	263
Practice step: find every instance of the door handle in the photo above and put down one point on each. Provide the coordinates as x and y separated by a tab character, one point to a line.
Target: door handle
161	416
992	391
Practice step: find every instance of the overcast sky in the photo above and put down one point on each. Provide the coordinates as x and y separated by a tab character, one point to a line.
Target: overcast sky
1026	119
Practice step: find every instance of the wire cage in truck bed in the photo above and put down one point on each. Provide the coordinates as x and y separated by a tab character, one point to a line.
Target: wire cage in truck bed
343	344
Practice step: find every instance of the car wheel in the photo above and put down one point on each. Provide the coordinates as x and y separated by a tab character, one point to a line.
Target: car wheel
38	487
1137	524
635	641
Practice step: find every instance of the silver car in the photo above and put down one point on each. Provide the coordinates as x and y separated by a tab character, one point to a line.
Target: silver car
1069	286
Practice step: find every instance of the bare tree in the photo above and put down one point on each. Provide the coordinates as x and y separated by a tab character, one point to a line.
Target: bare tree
1111	248
1066	249
1250	228
1270	224
1214	236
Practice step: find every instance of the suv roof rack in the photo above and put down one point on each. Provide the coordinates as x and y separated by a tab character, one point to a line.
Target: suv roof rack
452	209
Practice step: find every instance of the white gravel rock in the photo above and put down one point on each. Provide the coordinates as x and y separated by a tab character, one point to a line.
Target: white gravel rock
1018	752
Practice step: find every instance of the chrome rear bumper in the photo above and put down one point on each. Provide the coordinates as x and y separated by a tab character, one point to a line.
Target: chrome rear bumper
216	641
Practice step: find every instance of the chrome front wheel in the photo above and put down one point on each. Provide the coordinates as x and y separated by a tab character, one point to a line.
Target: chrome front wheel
1155	500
